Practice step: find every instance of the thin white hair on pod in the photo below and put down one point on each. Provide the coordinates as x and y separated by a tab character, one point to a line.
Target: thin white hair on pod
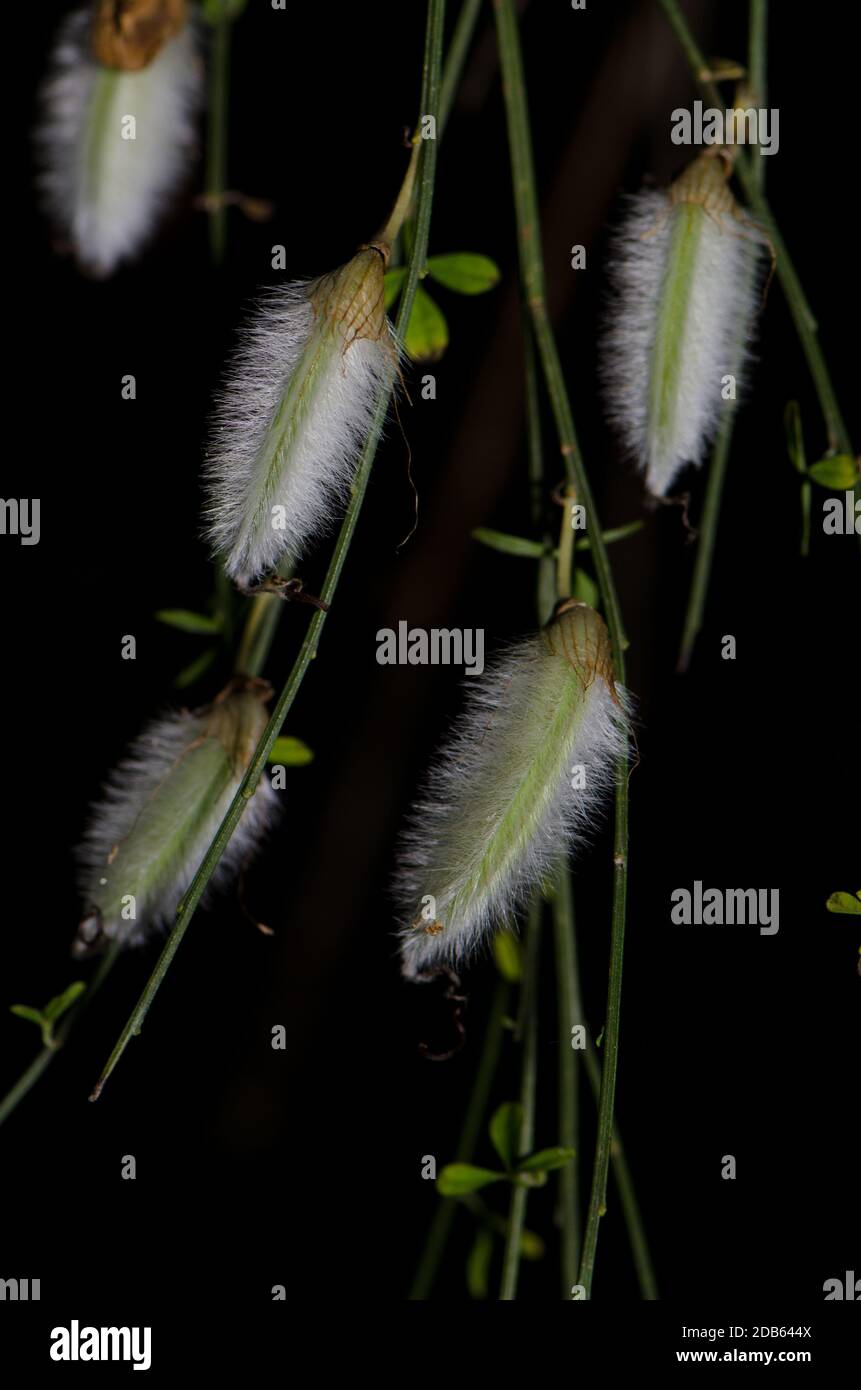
500	807
106	183
160	809
685	279
296	407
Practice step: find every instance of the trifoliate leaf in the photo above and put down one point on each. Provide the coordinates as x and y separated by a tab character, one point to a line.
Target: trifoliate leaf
545	1160
844	902
57	1006
464	272
187	621
458	1178
510	545
505	1131
292	752
426	338
478	1265
837	473
393	282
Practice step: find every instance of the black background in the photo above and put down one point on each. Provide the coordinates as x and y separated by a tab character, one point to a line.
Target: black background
302	1168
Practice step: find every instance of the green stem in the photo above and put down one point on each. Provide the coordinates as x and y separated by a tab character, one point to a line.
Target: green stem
570	1014
806	502
706	537
455	58
532	276
708	524
757	44
216	143
440	1228
186	909
802	315
529	1066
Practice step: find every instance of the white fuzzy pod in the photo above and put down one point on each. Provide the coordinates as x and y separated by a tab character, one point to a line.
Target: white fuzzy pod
685	272
105	192
294	413
160	810
499	811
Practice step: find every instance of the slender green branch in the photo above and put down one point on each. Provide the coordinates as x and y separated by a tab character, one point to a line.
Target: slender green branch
802	315
571	1014
757	45
188	906
708	524
216	138
532	275
475	1112
528	1028
455	58
705	544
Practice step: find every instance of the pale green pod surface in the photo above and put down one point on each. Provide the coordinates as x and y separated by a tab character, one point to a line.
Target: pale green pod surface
160	811
685	266
296	408
504	801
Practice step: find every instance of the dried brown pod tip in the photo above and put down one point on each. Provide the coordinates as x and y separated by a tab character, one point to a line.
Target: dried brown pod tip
128	34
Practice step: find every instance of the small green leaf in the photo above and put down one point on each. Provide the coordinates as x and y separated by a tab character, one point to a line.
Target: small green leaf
794	436
188	622
458	1178
844	902
292	752
193	672
837	473
464	272
545	1160
585	588
426	338
506	954
478	1265
615	533
393	282
504	1131
510	545
57	1006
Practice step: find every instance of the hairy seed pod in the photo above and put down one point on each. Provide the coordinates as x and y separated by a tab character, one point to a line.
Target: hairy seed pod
113	144
295	411
159	812
518	783
685	271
